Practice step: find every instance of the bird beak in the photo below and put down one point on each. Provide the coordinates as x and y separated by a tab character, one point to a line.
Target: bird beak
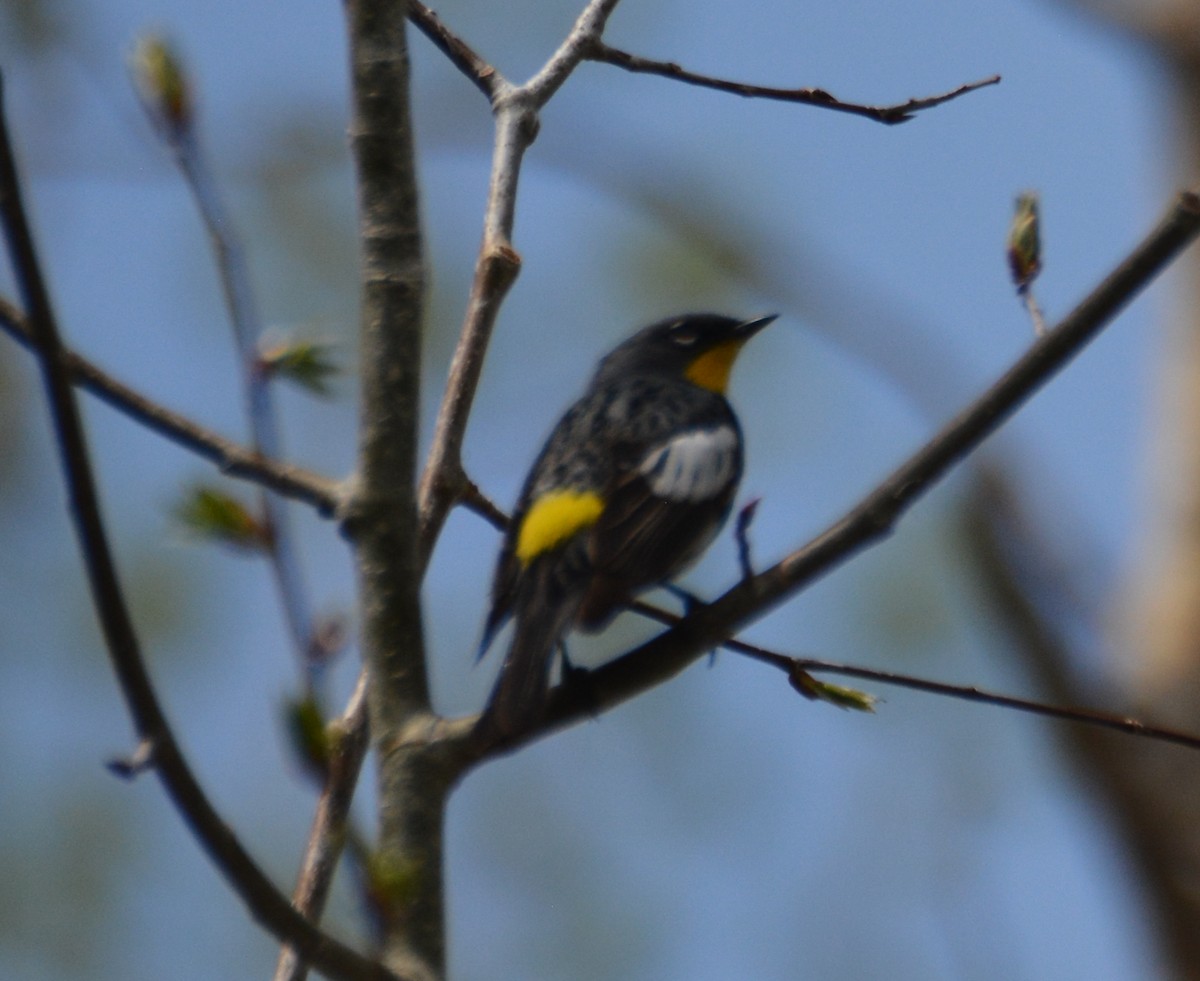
751	327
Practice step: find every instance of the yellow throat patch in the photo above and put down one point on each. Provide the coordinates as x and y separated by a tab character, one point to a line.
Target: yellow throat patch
711	369
554	518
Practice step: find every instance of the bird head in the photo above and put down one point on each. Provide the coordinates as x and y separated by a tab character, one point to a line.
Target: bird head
700	347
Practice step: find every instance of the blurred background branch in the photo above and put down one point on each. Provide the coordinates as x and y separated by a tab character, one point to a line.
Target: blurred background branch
157	740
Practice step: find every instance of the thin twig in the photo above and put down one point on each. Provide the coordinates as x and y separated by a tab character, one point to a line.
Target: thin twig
877	514
788	665
230	457
266	903
1035	311
264	424
475	500
1091	717
741	535
889	115
349	737
482	75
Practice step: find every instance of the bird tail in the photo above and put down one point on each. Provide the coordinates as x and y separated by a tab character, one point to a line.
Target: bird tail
543	616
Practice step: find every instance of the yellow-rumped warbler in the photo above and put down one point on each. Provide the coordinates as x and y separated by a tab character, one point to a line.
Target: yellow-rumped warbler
632	485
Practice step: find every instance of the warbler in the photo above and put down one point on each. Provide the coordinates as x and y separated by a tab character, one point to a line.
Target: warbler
631	486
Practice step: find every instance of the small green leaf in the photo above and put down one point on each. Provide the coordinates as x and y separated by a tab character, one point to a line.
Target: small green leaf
305	362
309	734
162	84
1024	242
217	516
824	691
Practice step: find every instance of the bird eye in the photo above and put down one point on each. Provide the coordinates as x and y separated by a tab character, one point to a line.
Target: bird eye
682	334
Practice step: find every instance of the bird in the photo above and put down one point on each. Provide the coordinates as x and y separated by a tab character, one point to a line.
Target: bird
634	482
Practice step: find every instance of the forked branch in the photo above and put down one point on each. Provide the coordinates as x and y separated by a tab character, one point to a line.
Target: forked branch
444	482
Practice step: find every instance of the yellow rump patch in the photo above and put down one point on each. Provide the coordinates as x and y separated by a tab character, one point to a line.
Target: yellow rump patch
711	369
553	519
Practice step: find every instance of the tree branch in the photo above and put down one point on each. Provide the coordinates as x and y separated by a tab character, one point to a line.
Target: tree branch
350	738
791	666
482	75
444	482
516	108
381	517
795	666
889	115
230	458
264	901
1091	717
875	516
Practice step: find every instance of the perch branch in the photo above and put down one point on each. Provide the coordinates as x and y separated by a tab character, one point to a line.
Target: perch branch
876	515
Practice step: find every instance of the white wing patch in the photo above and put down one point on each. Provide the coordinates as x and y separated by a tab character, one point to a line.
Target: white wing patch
693	466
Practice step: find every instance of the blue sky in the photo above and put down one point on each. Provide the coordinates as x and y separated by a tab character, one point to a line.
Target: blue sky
718	826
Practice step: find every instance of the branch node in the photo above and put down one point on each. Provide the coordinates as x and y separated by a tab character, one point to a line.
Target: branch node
136	763
475	500
503	265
